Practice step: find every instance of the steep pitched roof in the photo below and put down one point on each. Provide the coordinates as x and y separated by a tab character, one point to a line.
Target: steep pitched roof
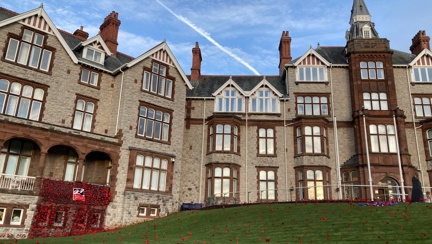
163	53
38	19
359	21
206	85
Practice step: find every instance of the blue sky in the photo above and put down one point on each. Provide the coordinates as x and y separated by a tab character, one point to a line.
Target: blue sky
235	36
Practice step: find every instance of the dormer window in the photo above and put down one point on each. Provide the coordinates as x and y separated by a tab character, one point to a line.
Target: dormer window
422	74
93	55
264	101
29	50
229	101
366	32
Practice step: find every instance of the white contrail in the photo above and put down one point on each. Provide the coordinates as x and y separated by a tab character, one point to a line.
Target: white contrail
207	36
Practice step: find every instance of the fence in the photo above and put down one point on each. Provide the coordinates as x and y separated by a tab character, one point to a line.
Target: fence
17	182
348	192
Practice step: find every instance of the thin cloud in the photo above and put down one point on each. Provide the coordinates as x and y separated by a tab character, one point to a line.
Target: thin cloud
207	36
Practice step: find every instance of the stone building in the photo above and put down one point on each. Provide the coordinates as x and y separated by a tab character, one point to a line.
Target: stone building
94	139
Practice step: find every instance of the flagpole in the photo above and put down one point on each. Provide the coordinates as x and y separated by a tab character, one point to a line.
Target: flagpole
367	156
398	156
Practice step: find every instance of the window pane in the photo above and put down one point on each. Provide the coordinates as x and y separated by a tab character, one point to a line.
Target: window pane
137	178
46	59
34	57
23	53
12	49
146	179
23	109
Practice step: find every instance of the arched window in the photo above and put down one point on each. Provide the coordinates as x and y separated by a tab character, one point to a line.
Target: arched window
22	101
222	180
15	157
267	184
83	118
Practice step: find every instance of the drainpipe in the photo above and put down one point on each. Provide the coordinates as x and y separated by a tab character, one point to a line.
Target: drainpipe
285	151
202	151
246	154
335	135
415	127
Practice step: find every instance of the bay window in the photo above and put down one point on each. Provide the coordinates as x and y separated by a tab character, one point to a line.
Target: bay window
311	140
313	183
223	138
383	138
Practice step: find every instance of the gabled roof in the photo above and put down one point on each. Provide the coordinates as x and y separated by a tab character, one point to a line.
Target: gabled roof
426	52
97	39
263	83
207	85
313	53
230	82
163	53
39	19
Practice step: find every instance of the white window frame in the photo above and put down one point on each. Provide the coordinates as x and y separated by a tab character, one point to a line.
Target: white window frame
264	101
93	58
83	115
230	101
3	215
422	74
153	212
142	213
372	70
89	77
14	222
312	73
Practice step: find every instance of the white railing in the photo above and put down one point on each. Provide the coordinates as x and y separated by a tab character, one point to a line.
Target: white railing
17	182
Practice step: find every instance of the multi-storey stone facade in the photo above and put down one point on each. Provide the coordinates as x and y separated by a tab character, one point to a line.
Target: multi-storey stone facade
130	139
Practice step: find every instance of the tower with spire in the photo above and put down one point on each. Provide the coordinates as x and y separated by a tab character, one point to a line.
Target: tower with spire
374	103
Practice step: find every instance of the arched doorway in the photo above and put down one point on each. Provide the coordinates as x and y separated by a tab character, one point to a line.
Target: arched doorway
388	189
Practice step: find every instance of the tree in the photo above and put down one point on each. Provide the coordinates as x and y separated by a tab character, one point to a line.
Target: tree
417	193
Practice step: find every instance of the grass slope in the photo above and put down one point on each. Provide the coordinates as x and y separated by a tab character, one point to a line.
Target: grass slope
276	223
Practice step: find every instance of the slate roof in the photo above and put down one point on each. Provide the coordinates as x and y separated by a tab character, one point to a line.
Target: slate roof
335	56
6	14
208	84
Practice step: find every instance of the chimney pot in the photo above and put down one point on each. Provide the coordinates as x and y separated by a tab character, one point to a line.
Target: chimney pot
420	42
81	34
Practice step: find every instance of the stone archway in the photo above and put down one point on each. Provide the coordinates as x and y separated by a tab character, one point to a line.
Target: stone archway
388	190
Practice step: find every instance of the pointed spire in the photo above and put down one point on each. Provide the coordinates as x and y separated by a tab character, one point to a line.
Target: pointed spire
361	24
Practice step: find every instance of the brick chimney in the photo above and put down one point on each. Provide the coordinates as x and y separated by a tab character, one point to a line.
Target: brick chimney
196	62
81	34
420	42
284	51
109	31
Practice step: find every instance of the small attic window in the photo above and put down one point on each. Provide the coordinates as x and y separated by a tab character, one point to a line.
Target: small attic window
366	32
93	55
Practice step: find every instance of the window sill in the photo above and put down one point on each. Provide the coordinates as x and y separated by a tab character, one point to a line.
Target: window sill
312	82
311	155
267	155
151	139
413	83
148	191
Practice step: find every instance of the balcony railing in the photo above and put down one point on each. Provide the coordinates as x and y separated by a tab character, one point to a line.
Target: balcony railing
17	182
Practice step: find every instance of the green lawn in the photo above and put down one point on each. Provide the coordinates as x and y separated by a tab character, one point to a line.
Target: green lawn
277	223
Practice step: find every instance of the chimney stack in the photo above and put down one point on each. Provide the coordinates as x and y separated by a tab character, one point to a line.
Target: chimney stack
284	51
81	34
109	31
196	62
420	42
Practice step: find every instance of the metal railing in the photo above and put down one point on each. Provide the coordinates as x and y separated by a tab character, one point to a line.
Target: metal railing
17	182
318	193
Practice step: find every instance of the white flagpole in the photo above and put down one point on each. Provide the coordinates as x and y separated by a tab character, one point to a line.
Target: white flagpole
367	157
399	159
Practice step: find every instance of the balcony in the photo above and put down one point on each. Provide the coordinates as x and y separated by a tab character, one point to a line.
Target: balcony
17	182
